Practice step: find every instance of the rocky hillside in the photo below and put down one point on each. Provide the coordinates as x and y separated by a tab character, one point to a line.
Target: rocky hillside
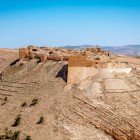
37	102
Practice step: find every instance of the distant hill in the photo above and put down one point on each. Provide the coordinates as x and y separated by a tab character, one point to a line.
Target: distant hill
133	50
78	47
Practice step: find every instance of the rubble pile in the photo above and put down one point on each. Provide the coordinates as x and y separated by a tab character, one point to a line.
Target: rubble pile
59	54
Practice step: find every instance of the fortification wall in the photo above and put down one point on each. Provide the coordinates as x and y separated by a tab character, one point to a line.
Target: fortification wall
79	69
77	74
81	64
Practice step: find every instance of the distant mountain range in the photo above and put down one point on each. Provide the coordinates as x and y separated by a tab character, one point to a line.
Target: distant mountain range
133	50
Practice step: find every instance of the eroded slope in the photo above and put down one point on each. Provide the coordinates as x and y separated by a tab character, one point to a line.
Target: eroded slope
102	107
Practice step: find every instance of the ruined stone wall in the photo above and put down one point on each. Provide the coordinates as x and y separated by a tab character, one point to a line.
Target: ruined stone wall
77	74
23	53
31	53
79	69
81	64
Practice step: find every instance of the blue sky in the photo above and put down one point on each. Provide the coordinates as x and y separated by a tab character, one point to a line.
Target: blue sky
69	22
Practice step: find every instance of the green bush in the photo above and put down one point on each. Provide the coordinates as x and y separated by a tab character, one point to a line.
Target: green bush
28	138
24	104
15	135
17	121
5	99
34	102
9	135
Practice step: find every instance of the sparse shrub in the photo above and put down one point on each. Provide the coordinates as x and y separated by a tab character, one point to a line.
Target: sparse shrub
17	121
28	138
34	102
24	104
21	64
41	120
3	103
15	135
9	135
5	99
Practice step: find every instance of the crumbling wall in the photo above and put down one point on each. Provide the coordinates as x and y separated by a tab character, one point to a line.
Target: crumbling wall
79	68
81	64
49	54
23	53
31	53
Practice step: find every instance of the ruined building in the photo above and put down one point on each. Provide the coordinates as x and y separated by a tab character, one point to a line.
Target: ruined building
81	63
79	68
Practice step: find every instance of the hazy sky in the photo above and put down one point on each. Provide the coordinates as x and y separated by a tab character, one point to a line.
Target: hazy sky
69	22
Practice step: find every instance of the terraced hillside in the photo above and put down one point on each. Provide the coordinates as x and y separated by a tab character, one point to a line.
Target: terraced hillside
105	107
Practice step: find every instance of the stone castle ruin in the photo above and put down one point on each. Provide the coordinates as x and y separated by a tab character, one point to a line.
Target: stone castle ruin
43	54
81	63
79	68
